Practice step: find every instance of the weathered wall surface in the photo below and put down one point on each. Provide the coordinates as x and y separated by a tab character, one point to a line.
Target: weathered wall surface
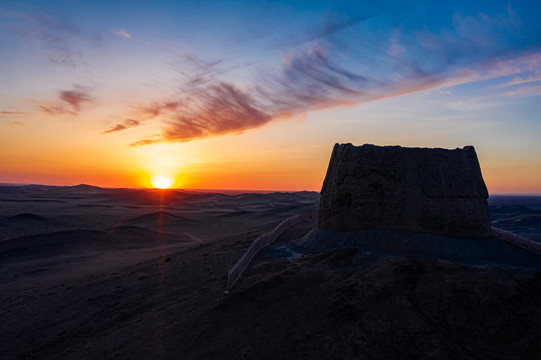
418	189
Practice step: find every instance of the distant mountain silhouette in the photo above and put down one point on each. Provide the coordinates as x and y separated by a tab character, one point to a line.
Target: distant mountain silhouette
512	210
85	187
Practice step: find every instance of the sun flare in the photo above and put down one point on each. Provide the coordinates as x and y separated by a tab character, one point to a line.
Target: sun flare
162	182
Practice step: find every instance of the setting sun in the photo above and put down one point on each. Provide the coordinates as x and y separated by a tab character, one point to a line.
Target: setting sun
162	182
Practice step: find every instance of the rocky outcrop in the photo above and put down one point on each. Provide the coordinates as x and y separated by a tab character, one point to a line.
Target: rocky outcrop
418	189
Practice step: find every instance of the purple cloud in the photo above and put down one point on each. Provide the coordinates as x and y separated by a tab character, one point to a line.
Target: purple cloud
68	102
330	68
75	97
128	123
217	109
53	110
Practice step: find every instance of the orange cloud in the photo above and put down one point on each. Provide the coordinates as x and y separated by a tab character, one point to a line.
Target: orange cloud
74	98
128	123
17	114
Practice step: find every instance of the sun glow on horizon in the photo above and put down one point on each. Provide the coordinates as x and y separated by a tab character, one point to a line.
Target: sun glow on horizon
162	182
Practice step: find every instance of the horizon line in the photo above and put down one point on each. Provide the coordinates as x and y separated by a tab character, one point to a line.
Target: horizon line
154	188
233	190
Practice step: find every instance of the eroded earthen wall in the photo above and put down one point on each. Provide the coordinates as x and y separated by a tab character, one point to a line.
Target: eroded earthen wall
391	187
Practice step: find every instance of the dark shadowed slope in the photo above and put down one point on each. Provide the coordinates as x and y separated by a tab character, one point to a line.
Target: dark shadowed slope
362	302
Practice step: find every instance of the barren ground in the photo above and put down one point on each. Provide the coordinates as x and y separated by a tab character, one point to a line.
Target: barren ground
91	273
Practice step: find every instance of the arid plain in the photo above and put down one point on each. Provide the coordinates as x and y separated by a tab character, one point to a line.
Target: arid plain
88	272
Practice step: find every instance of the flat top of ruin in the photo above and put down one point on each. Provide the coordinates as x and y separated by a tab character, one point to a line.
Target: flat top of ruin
466	147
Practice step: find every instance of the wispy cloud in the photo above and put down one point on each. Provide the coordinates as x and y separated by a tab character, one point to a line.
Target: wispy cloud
8	115
217	109
534	90
75	97
55	35
308	80
68	102
334	67
521	81
128	123
328	27
15	123
121	33
12	114
52	108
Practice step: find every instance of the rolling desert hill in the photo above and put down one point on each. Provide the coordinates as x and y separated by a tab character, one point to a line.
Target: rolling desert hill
136	274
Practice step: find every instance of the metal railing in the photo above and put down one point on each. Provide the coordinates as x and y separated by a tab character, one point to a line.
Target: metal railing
518	240
264	240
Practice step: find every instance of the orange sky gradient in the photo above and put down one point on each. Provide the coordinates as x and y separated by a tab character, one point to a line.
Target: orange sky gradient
260	159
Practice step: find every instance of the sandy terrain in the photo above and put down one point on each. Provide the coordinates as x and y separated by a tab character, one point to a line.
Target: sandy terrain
91	273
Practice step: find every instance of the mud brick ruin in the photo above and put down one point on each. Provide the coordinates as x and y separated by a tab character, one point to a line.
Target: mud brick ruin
417	189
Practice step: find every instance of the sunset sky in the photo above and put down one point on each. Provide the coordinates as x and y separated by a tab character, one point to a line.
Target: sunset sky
254	94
